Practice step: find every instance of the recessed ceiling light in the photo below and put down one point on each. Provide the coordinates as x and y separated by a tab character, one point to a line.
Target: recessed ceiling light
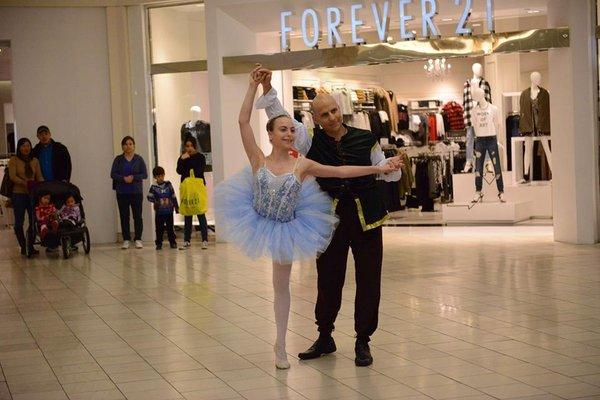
532	11
447	19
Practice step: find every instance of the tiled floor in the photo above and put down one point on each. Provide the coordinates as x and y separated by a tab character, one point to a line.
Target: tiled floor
467	313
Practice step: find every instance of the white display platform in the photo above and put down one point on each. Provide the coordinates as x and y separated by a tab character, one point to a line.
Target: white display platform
518	154
486	213
538	193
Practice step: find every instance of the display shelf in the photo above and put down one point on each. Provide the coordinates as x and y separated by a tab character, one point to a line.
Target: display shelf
539	194
486	213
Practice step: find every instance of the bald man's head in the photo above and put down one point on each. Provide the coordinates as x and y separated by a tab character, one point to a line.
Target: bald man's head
326	112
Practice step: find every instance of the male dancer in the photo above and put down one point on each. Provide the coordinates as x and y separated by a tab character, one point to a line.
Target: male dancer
361	211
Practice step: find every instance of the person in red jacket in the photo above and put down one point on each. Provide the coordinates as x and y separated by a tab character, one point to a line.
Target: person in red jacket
46	215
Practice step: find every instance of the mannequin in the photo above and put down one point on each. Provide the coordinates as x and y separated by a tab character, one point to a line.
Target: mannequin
477	81
486	125
535	120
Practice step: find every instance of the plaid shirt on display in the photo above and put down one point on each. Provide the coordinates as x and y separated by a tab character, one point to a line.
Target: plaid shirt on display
468	102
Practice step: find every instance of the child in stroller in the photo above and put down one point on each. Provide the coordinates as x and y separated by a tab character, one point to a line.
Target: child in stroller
69	221
46	215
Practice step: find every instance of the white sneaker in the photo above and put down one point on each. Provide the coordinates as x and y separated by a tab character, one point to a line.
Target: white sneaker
204	245
139	244
185	246
501	198
477	198
468	166
125	245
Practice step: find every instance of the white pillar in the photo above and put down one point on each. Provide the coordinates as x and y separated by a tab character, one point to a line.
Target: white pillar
227	37
574	115
140	102
118	62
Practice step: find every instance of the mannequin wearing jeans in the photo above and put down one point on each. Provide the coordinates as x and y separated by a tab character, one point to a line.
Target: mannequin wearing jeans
486	123
478	81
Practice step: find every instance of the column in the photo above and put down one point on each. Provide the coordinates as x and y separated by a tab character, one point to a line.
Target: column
574	115
140	102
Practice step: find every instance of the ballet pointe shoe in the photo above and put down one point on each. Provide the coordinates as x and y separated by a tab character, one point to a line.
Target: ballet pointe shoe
281	361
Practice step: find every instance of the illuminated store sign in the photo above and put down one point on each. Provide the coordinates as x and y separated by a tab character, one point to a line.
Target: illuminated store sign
311	21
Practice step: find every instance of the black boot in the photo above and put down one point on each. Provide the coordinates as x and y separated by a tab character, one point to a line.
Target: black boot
323	345
363	353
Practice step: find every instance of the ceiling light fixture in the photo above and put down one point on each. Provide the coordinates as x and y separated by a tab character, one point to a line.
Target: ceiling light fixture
437	69
447	19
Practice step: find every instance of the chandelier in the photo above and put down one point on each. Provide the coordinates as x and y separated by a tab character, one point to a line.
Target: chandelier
438	68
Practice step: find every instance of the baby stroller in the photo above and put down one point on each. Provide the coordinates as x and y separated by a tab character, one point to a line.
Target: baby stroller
67	236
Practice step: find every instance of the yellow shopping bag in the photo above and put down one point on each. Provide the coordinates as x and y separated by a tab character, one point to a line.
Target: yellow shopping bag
192	193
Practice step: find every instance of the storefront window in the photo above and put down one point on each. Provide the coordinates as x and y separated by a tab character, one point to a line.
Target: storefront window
7	121
180	99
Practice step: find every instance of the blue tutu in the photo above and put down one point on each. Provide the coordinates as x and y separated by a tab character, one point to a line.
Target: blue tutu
274	216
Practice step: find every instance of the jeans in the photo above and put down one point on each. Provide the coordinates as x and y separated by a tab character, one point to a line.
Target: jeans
133	201
164	223
187	228
471	146
22	204
487	145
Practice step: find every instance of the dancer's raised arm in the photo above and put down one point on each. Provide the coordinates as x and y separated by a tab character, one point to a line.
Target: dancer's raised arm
254	153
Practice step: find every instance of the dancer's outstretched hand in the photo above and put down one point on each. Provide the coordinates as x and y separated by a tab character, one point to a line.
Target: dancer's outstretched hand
388	168
397	162
255	76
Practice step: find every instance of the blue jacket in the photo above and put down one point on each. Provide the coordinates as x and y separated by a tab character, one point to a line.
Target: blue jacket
139	173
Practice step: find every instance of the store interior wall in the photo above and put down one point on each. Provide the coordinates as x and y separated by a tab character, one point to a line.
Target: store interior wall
61	79
177	33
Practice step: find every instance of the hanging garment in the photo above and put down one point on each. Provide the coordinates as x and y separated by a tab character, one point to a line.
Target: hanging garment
512	130
407	178
455	115
439	123
307	119
469	103
432	123
402	117
422	186
379	128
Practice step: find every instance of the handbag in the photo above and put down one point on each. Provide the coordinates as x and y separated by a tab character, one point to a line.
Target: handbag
194	198
6	189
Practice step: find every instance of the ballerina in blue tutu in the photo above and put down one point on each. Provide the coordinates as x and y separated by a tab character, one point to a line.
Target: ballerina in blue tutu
275	208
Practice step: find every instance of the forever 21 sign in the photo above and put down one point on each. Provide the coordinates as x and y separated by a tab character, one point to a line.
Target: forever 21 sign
381	15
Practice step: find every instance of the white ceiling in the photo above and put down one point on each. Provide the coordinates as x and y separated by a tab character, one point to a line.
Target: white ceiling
264	16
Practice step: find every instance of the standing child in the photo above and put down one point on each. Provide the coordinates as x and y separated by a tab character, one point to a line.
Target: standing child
162	195
46	215
274	208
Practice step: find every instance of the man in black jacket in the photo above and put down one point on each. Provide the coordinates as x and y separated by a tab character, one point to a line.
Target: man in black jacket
54	158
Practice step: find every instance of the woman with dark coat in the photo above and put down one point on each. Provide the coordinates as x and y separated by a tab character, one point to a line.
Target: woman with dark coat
191	159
